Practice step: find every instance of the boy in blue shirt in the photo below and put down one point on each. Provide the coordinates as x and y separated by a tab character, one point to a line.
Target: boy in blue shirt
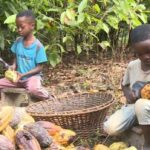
29	58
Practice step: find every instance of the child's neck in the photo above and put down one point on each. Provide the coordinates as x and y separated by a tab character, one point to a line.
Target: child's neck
30	37
145	67
28	40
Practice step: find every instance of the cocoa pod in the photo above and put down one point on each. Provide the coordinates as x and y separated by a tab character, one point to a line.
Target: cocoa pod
39	133
18	114
26	141
5	143
50	127
9	133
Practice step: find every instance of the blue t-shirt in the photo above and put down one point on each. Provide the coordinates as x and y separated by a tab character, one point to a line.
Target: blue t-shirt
27	58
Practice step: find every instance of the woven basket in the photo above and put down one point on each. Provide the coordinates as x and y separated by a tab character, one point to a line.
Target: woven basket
83	113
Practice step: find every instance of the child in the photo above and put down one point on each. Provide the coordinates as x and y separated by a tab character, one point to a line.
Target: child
137	70
29	58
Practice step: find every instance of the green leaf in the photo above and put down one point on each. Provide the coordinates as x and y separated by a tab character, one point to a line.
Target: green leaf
82	6
88	18
143	17
46	47
54	59
112	21
2	41
66	38
97	8
105	27
140	7
135	21
11	19
54	10
73	23
104	44
61	48
79	50
70	14
81	18
40	24
58	45
105	2
94	36
62	17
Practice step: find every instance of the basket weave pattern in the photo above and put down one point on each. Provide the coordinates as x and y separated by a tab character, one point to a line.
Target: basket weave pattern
83	113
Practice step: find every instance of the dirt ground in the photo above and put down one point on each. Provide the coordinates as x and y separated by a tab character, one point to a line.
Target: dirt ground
80	78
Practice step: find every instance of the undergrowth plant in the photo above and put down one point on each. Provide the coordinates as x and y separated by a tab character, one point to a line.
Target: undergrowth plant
75	26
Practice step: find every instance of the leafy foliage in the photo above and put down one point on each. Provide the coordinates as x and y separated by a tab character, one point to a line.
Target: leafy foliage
73	25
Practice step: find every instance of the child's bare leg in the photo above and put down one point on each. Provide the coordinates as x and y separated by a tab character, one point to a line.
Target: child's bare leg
146	132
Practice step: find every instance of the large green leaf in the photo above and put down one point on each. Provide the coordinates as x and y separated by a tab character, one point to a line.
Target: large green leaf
67	38
143	17
79	50
105	27
80	18
62	17
39	24
97	8
113	21
11	19
70	14
54	58
82	6
104	44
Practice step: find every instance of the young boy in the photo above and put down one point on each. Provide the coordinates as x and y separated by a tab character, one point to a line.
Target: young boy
137	70
29	58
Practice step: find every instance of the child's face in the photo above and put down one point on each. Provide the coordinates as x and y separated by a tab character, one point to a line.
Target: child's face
24	26
142	49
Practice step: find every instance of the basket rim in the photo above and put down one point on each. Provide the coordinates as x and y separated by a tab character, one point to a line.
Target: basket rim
72	112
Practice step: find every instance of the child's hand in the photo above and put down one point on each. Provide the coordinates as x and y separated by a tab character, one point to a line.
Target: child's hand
131	98
12	67
19	76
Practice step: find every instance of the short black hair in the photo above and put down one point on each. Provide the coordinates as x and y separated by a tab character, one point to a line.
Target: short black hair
139	34
26	13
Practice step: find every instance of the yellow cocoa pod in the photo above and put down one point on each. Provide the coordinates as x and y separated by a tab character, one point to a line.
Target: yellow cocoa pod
26	119
64	136
6	115
130	148
118	146
145	92
101	147
9	133
11	75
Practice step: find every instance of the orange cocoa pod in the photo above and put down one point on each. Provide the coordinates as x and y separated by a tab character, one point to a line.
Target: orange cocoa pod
65	136
50	127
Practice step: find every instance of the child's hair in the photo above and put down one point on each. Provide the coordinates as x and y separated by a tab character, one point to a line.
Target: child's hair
26	13
139	34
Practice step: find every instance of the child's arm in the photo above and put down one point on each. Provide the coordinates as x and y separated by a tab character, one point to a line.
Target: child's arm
14	64
128	94
34	71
